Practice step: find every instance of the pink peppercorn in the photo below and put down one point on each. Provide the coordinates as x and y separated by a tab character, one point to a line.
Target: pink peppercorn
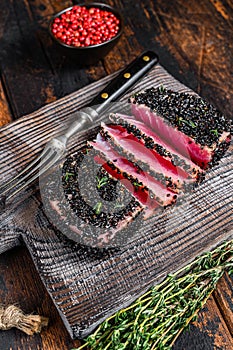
81	26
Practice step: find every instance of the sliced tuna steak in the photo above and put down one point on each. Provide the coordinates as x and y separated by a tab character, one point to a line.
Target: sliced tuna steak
133	173
96	225
139	192
152	141
161	168
191	125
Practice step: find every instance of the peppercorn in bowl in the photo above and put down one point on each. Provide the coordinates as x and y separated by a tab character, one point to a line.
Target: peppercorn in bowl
86	33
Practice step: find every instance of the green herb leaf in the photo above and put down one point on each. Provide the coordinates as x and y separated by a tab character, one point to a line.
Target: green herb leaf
137	184
101	181
67	175
215	132
118	205
97	208
155	320
161	88
188	122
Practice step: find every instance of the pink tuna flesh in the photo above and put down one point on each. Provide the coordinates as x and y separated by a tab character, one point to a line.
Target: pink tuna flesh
131	171
149	160
182	143
191	125
152	140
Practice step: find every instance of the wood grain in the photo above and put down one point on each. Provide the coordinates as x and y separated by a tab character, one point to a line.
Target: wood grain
209	332
224	299
36	75
5	114
17	269
201	56
20	284
174	236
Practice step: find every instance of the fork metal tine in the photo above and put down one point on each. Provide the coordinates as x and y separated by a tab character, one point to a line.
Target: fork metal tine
28	167
45	157
45	167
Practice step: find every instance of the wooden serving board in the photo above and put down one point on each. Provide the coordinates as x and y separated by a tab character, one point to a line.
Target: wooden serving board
88	285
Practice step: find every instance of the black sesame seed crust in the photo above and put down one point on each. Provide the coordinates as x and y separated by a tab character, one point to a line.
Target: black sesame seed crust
219	152
134	180
108	189
144	167
149	143
188	113
67	223
107	192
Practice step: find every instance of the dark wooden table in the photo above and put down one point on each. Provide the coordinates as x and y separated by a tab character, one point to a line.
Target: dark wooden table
194	42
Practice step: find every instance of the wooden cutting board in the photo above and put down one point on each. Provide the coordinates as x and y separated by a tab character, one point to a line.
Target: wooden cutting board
87	285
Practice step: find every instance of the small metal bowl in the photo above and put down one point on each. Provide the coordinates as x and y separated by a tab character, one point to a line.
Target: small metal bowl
88	55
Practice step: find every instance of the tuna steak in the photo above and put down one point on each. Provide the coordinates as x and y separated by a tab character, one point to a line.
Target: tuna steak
161	168
139	192
152	141
86	223
133	173
191	125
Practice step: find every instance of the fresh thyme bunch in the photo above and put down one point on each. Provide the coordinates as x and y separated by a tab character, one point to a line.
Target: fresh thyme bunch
155	320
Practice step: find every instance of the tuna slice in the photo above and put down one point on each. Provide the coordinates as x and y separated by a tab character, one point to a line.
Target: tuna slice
152	141
139	192
131	172
99	237
149	160
86	225
194	127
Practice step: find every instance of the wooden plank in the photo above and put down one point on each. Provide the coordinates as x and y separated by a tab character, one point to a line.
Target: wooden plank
23	64
21	285
209	332
34	72
159	25
224	298
173	237
146	27
154	25
41	9
204	59
5	113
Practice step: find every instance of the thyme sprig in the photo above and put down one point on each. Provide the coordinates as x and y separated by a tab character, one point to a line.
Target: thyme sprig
155	320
